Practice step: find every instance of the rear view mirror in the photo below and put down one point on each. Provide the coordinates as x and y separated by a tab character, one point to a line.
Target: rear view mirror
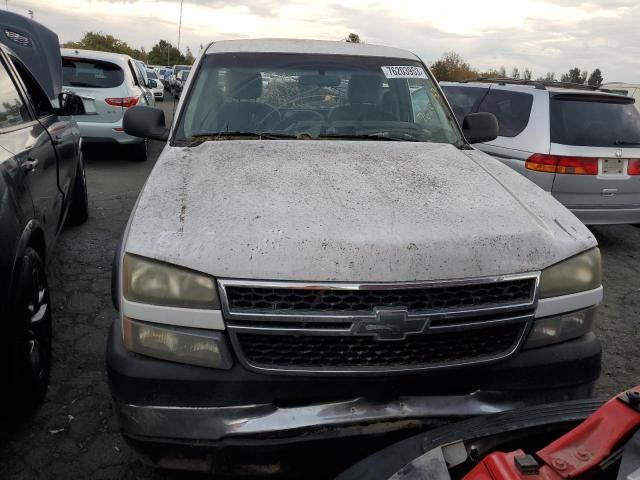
70	104
480	127
319	80
145	122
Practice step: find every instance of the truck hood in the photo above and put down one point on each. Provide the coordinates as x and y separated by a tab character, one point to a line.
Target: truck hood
347	211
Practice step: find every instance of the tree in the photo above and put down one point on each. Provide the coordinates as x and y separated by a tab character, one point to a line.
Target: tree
491	73
595	79
515	73
452	67
575	75
353	38
503	72
550	77
527	74
106	43
163	53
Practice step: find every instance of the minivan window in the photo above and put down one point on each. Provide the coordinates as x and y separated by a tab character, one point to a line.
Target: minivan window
303	96
13	111
596	121
512	109
84	72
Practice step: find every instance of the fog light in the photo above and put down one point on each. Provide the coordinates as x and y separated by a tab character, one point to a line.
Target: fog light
205	348
550	330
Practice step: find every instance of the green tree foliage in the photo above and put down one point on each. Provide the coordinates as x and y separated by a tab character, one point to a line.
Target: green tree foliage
575	75
452	67
595	79
188	57
106	43
353	38
163	53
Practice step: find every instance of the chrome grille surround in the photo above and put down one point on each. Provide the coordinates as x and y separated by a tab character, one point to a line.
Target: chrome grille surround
389	323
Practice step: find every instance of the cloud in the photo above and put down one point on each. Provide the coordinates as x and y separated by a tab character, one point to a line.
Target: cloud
543	35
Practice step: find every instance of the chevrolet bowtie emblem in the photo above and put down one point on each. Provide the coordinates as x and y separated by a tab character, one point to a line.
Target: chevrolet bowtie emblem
390	324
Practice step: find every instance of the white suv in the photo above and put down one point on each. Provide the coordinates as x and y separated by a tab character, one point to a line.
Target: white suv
109	84
317	255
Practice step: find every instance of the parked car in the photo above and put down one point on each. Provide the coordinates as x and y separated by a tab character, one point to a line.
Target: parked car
581	145
42	184
303	265
158	90
109	84
174	73
181	79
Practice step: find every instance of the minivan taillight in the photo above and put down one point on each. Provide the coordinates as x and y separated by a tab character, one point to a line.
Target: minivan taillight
125	102
634	167
541	162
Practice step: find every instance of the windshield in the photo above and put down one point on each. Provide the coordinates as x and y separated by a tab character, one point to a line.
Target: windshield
316	96
597	121
183	74
178	68
152	74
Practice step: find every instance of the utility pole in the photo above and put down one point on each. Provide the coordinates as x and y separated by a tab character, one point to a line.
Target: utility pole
180	26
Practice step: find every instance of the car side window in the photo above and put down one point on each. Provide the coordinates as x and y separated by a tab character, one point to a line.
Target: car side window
13	110
512	109
134	73
38	98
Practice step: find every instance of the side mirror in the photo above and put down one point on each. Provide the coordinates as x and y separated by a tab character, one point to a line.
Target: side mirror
151	83
70	104
480	127
145	122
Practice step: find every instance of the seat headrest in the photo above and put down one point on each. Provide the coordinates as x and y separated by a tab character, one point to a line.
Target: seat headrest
365	88
243	85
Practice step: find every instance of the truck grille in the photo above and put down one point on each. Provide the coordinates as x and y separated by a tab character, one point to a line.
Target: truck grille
308	351
414	299
329	328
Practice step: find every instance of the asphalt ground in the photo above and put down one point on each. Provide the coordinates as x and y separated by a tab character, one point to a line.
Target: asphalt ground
74	434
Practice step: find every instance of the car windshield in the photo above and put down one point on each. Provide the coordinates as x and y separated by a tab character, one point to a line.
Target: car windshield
152	74
316	96
179	68
183	74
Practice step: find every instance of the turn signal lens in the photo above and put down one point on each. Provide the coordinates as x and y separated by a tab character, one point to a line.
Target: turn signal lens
540	162
634	167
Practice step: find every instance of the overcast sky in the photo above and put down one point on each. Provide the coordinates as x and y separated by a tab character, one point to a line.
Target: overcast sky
543	35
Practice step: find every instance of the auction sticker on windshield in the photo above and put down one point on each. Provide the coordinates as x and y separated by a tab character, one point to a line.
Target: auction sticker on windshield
408	71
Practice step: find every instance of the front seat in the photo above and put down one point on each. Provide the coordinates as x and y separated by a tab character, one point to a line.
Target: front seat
240	112
364	94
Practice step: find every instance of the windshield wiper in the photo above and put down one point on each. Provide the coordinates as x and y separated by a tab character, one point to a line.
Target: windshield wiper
200	138
371	136
624	142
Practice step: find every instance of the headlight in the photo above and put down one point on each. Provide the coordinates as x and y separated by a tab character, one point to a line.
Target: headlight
176	344
550	330
577	274
158	283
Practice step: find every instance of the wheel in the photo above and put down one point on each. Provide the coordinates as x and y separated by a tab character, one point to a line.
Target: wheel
79	208
29	335
140	151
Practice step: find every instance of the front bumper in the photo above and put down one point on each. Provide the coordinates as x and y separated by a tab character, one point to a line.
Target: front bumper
164	402
607	216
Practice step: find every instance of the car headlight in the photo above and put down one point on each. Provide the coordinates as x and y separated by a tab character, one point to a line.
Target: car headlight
550	330
192	346
158	283
576	274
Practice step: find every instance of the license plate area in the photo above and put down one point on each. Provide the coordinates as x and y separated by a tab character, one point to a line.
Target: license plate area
613	166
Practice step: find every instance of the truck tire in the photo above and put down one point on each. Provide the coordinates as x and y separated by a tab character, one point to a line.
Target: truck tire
140	151
79	208
29	339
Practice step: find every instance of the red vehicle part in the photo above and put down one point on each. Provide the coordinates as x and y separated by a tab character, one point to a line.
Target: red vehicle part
574	454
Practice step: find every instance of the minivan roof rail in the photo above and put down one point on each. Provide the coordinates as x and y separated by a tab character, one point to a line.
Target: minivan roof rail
539	84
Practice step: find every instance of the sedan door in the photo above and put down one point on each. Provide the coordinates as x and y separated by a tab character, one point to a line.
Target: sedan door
28	141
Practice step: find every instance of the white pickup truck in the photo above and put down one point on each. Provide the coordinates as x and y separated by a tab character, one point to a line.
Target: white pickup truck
319	253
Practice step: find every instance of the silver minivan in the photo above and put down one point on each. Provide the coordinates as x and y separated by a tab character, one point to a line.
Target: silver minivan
581	145
109	84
